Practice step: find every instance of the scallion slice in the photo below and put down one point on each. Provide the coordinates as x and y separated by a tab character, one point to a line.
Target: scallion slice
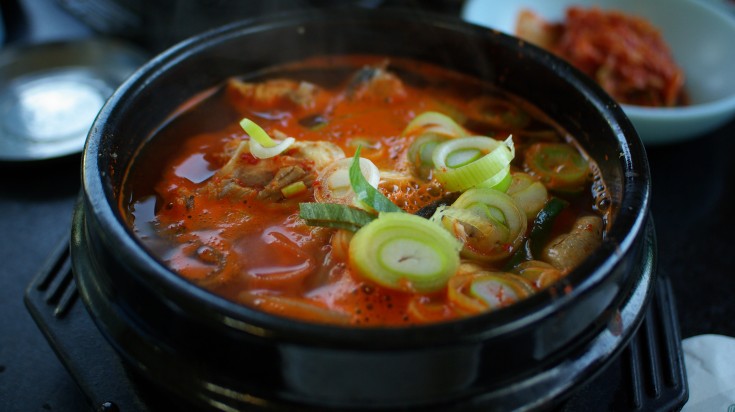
294	189
559	165
487	221
497	289
420	153
335	183
367	194
462	175
483	291
528	192
436	123
262	152
257	133
404	252
263	146
500	182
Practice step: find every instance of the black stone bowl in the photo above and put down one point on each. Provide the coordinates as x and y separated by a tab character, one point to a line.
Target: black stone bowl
208	353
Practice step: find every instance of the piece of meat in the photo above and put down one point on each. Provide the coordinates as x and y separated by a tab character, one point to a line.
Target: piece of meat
273	93
567	251
244	175
284	177
321	153
230	188
376	84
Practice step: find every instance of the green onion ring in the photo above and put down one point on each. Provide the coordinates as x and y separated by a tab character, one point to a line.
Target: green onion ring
404	252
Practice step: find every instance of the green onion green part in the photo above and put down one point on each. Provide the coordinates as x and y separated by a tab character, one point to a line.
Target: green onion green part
366	194
540	232
334	215
543	223
257	133
559	165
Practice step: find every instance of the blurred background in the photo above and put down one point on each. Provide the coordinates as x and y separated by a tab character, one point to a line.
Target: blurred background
157	24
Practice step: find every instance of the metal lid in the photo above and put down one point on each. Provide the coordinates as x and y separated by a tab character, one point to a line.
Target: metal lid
51	93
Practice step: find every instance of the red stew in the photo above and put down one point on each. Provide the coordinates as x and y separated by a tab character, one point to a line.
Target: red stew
222	217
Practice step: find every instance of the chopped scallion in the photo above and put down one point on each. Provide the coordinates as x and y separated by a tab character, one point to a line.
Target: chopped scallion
469	171
257	133
559	165
404	252
435	123
294	189
263	146
367	194
487	221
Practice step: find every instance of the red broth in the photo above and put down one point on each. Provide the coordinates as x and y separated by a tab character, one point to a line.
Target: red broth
233	235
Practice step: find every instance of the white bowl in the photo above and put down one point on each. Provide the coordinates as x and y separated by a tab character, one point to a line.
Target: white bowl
700	34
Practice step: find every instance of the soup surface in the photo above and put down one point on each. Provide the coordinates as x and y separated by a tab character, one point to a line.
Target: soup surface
379	191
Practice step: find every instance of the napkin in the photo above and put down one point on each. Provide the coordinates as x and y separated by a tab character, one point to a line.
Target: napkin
710	366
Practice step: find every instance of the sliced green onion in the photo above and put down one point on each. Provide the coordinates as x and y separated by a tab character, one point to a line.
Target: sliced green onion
462	157
262	152
257	133
479	290
367	194
458	293
334	215
261	145
500	113
559	165
530	194
496	159
335	184
540	274
474	226
404	252
436	123
496	290
500	182
294	189
420	153
491	226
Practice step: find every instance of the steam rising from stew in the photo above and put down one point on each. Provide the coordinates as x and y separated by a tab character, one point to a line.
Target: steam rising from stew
494	200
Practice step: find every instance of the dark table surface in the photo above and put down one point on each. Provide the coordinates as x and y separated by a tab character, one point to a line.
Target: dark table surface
692	204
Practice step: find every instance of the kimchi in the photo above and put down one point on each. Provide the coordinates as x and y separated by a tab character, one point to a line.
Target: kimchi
625	54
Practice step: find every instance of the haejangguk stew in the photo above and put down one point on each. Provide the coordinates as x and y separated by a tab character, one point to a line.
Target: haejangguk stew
365	191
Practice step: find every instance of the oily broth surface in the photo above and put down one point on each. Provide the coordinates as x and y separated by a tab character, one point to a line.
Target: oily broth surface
264	247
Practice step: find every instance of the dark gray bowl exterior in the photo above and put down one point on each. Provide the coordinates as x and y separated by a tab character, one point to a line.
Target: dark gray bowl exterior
211	352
